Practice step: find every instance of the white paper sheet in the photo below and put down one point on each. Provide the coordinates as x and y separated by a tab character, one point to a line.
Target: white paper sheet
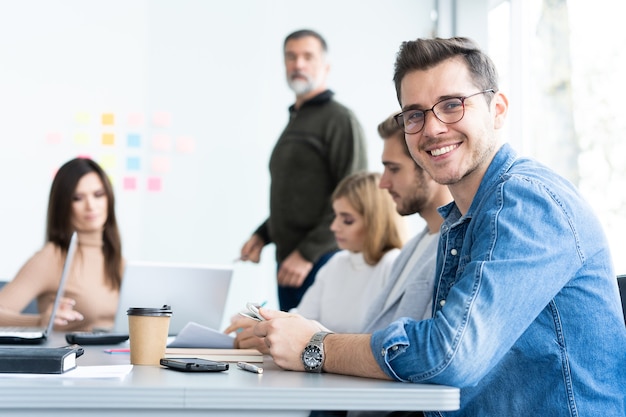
195	335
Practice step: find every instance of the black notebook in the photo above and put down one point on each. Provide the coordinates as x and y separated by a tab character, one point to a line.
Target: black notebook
39	360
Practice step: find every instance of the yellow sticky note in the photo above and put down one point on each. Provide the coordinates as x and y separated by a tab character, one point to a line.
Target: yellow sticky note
108	119
82	118
108	162
81	138
108	139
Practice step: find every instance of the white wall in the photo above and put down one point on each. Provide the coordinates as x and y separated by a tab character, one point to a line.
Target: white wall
214	69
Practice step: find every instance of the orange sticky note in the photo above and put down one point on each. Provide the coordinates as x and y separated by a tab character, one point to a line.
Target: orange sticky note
108	139
108	119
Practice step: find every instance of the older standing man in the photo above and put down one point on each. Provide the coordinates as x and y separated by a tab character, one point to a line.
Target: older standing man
322	143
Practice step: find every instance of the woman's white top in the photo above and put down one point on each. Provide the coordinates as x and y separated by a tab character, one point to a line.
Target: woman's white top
343	288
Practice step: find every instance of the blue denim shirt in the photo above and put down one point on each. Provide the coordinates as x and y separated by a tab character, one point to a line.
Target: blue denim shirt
527	317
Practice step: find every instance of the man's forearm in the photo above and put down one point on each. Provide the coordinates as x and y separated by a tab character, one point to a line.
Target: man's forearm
350	354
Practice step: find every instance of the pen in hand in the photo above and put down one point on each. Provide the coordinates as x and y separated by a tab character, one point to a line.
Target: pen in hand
249	367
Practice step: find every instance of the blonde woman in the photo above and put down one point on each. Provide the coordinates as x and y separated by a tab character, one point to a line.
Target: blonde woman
367	229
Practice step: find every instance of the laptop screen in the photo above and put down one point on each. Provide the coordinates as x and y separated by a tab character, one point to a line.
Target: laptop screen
196	293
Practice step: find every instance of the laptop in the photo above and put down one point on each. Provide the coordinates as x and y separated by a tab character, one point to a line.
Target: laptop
195	292
37	335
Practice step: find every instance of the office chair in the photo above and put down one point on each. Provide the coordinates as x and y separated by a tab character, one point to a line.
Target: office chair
621	281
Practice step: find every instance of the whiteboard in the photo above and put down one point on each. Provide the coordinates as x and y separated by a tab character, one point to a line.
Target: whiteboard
181	102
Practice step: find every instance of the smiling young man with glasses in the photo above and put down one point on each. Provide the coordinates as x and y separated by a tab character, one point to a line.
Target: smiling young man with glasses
526	311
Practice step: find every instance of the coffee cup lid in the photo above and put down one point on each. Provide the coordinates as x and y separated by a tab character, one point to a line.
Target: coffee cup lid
146	311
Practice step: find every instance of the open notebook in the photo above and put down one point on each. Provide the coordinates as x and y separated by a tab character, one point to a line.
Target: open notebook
36	335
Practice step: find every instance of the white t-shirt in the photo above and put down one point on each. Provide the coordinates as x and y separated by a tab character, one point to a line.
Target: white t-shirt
343	288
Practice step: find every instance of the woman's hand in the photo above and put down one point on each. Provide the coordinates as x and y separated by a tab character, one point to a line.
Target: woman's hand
65	313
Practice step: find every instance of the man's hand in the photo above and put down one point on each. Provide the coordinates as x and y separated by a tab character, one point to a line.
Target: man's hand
286	335
251	250
293	270
245	338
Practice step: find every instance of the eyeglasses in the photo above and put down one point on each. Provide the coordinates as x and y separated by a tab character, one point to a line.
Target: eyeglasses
448	111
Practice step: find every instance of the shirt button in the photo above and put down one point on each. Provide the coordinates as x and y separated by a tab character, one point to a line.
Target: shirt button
394	348
453	252
382	352
442	303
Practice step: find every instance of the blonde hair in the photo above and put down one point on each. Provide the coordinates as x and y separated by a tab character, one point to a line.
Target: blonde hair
382	222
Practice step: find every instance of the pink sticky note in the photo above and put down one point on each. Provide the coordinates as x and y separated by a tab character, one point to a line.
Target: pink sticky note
135	119
161	164
53	138
161	143
185	144
162	119
130	183
154	184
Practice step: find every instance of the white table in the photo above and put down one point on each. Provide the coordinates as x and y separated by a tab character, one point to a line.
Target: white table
155	391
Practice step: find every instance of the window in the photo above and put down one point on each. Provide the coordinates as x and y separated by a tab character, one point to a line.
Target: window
560	63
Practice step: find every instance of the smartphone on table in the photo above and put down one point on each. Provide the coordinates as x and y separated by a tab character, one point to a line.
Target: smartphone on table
194	364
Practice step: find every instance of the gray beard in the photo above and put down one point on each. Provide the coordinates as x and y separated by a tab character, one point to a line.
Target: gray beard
300	87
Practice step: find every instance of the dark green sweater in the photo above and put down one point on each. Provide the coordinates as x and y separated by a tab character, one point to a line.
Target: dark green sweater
322	144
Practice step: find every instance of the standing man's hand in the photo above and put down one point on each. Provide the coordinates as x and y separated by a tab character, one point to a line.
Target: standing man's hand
293	270
251	250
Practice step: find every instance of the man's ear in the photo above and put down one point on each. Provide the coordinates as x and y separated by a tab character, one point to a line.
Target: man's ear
500	105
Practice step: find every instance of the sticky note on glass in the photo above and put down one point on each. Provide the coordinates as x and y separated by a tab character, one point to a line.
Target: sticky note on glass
161	164
161	143
133	140
108	119
108	139
135	119
133	163
162	119
53	138
82	118
185	144
130	183
108	162
81	138
154	184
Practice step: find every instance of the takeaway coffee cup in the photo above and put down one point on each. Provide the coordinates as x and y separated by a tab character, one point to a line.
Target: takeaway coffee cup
148	329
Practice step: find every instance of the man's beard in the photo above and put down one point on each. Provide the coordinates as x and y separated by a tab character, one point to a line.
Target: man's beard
300	86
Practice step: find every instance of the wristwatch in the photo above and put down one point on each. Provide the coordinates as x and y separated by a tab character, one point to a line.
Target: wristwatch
313	353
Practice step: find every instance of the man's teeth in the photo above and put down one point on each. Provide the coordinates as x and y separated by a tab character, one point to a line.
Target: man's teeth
441	151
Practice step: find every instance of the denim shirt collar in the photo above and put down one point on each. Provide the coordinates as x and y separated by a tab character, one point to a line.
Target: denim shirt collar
499	166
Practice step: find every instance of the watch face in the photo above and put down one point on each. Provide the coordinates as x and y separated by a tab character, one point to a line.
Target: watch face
312	357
